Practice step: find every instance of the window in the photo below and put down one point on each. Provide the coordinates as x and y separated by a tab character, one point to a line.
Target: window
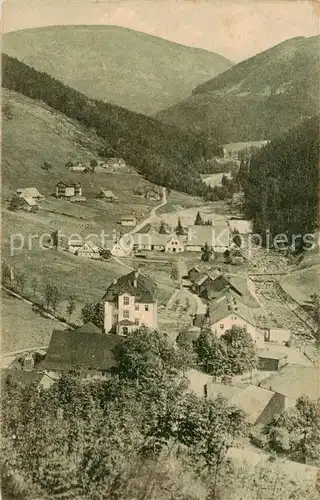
221	326
146	307
125	330
126	300
136	307
136	321
126	314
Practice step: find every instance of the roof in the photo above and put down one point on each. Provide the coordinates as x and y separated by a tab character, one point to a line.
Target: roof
31	192
266	354
228	304
108	194
150	238
76	349
22	376
30	201
241	225
201	278
91	245
217	235
294	381
144	291
67	184
88	327
251	399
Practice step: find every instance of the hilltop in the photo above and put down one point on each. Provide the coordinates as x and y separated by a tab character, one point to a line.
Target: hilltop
140	72
256	99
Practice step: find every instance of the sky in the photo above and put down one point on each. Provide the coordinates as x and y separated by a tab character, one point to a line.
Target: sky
235	30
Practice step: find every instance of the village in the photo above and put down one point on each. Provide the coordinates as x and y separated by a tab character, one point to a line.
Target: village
220	281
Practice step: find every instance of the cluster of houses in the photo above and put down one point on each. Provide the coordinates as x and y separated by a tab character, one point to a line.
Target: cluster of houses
89	166
131	302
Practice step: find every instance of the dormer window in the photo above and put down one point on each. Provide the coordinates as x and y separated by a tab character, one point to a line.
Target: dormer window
126	300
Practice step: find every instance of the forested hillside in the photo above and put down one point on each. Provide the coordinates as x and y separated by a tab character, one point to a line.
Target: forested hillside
135	70
163	154
258	99
281	186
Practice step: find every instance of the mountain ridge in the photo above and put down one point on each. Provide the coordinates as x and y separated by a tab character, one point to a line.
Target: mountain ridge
256	99
129	68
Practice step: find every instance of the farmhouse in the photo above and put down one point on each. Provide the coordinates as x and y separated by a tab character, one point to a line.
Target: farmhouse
216	237
175	244
129	220
129	303
85	249
151	240
228	311
152	194
107	195
260	405
30	193
85	348
193	274
78	168
66	190
23	202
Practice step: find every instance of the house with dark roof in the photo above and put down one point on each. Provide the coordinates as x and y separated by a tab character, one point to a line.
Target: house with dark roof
107	195
129	303
85	348
260	405
229	311
68	190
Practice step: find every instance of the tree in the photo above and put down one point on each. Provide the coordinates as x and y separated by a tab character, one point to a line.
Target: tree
15	203
174	272
94	313
6	273
105	254
296	432
146	354
70	307
48	294
179	228
240	350
46	166
69	164
236	238
198	221
206	253
19	282
55	239
315	301
55	298
93	164
162	229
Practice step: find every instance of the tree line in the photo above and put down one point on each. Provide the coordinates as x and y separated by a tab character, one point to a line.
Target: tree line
161	153
280	183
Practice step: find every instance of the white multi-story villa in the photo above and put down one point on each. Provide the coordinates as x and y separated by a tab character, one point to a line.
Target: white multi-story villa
130	302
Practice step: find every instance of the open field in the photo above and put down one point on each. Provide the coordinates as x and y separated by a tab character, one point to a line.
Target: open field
22	327
302	283
215	179
235	147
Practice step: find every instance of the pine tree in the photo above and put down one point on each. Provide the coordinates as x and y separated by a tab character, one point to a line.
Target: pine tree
179	228
162	229
206	253
199	220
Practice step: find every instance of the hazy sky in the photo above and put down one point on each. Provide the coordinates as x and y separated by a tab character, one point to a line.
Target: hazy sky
236	30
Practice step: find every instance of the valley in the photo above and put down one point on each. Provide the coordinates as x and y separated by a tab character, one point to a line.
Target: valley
160	268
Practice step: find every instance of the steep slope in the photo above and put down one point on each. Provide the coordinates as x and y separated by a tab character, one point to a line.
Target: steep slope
258	98
134	70
162	154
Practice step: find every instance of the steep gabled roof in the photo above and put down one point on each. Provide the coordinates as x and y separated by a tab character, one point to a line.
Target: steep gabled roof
228	304
31	192
82	350
144	291
21	377
88	327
